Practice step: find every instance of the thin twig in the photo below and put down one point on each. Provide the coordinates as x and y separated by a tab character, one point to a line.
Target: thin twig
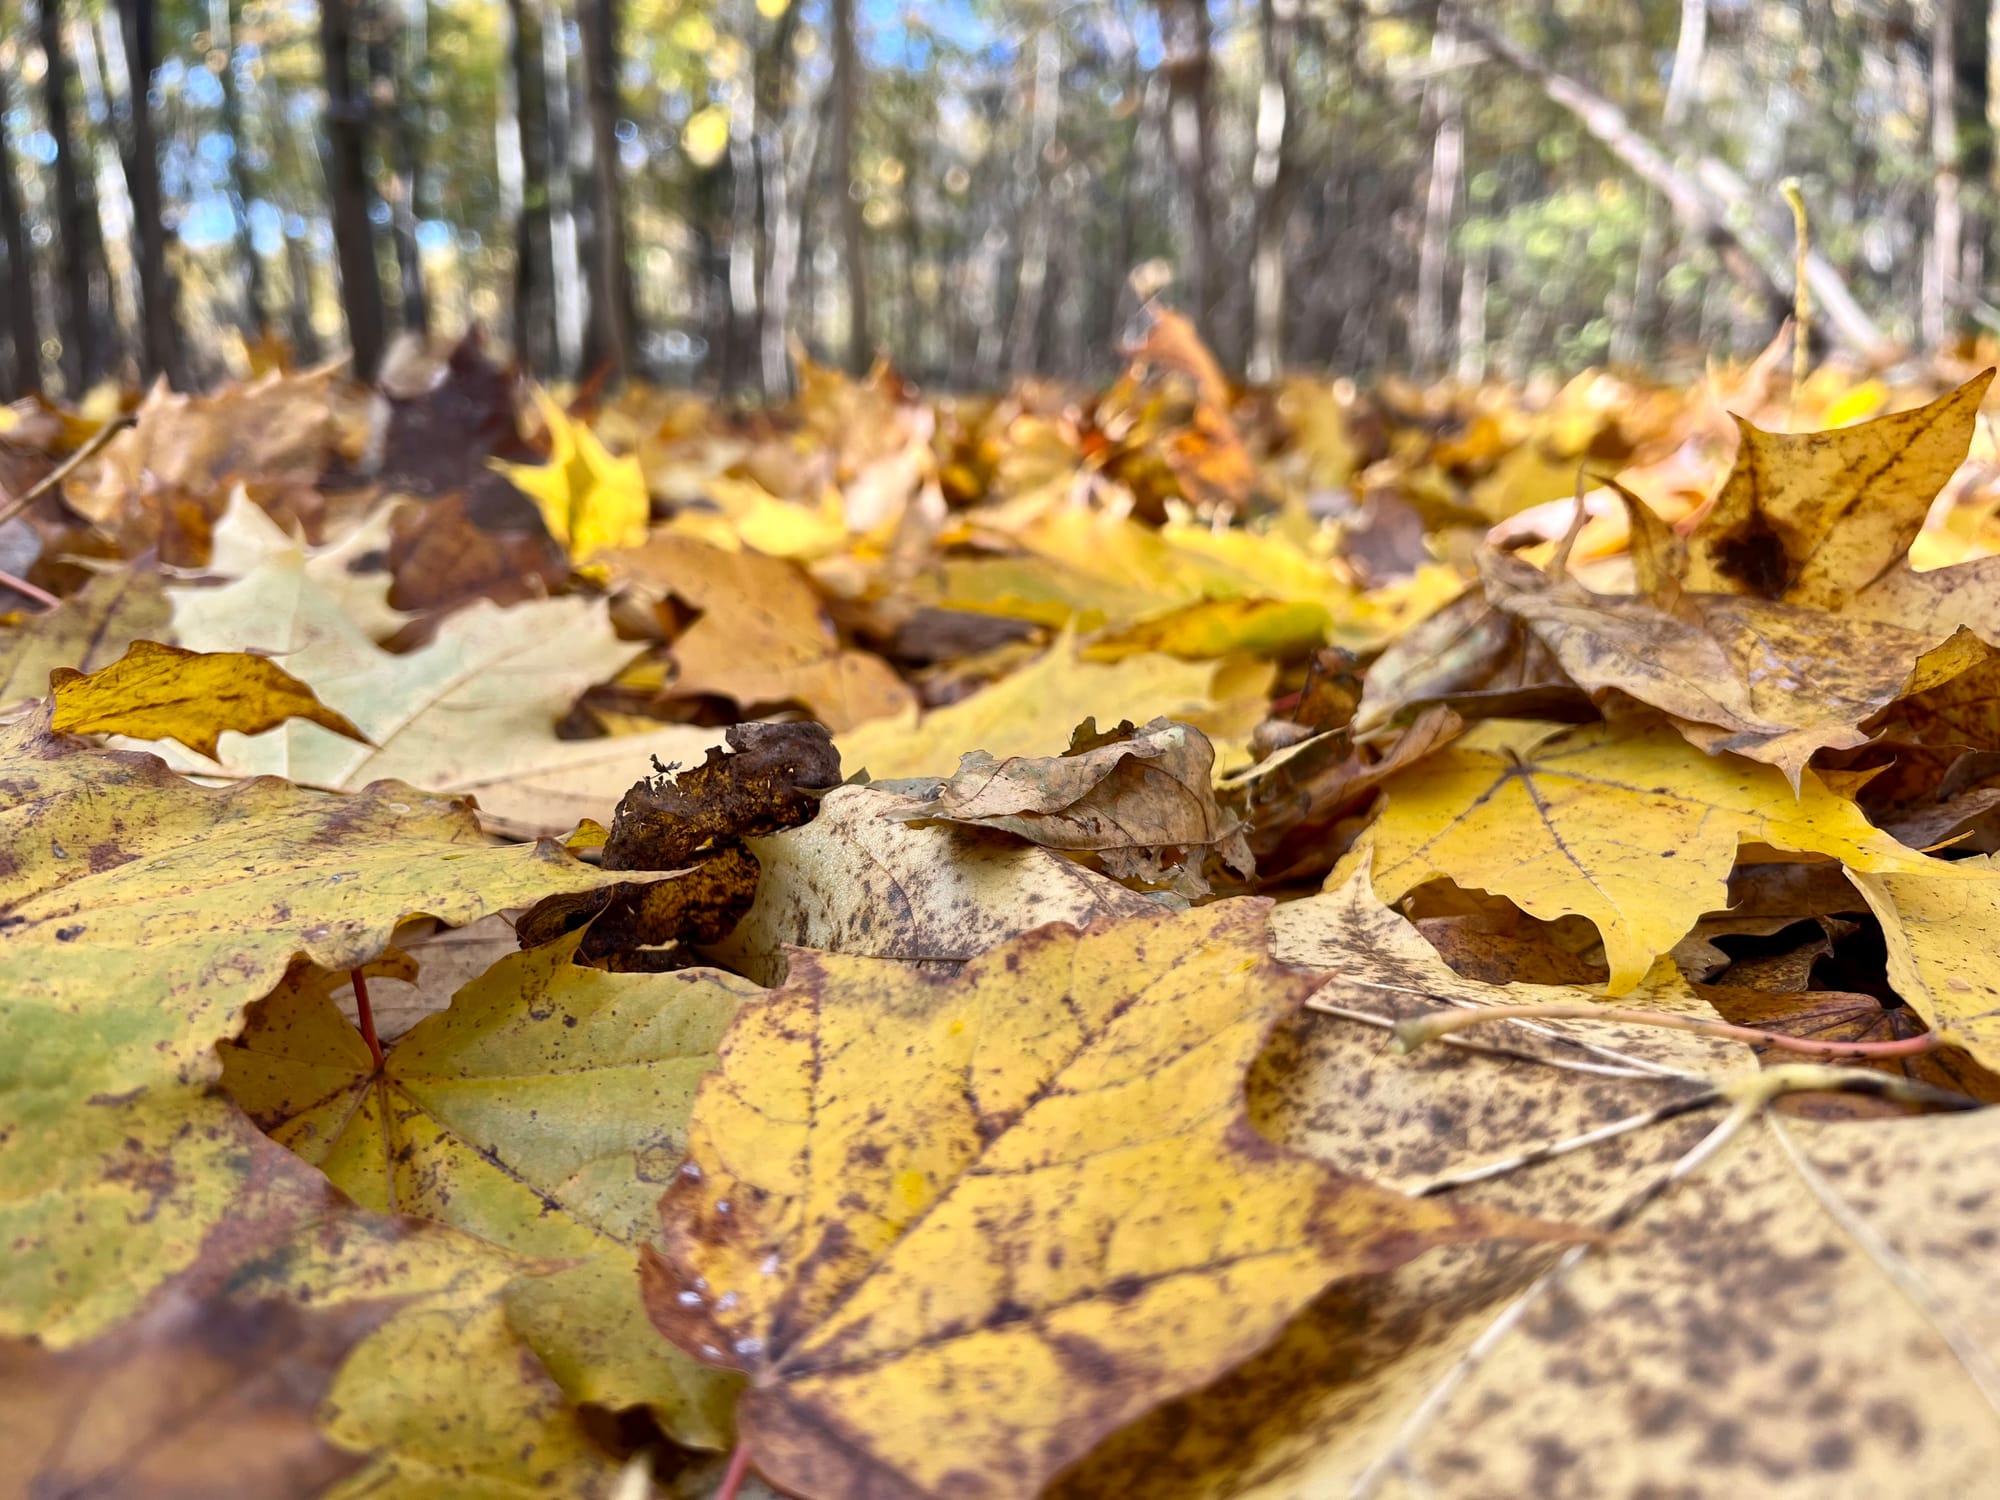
1513	1054
1413	1033
21	586
66	468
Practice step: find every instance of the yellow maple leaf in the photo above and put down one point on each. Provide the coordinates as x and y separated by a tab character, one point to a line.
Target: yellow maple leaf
590	500
1628	826
156	692
901	1189
1939	934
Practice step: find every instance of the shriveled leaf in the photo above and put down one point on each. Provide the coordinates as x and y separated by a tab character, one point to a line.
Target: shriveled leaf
1031	711
156	692
1140	800
1626	825
1813	518
138	915
857	881
543	1112
903	1187
589	500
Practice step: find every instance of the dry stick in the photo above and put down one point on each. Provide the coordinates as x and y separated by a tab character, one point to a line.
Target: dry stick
22	586
1801	294
1412	1034
365	1013
64	469
1751	1096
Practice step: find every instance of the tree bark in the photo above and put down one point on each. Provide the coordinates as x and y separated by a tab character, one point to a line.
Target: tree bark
160	352
613	314
534	250
347	183
1191	129
1972	57
1683	78
741	343
80	245
846	101
1032	281
1441	103
23	334
223	18
1941	294
1711	202
395	52
1270	186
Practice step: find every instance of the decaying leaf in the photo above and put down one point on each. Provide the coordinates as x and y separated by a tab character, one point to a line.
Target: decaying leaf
856	880
1031	1178
454	1128
140	914
156	692
1141	801
1627	825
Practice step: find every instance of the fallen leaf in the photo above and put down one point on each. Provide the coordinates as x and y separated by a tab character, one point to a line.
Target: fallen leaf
156	692
140	915
1627	825
890	1175
1140	800
1940	940
762	638
590	501
857	881
88	630
453	1128
1813	518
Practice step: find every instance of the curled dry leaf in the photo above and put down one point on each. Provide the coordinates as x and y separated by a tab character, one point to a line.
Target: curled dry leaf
857	881
1141	801
140	914
1627	825
1032	1178
453	1128
156	692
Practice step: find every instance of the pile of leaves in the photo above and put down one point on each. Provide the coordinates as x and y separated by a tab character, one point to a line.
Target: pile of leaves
892	946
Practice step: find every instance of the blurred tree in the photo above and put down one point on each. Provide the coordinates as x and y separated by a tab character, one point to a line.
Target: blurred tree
613	315
23	339
161	351
846	101
347	116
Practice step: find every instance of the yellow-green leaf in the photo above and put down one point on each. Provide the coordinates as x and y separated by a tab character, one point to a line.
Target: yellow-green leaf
589	500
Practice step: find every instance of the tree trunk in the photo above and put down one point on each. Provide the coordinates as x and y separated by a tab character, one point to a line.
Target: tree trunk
397	108
1644	325
22	332
740	342
774	81
1191	129
534	250
846	100
1270	186
159	350
224	16
1428	354
613	316
347	183
81	249
1941	296
1972	56
1033	278
1712	202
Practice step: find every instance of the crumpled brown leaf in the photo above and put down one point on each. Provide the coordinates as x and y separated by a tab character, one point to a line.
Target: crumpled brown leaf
1140	802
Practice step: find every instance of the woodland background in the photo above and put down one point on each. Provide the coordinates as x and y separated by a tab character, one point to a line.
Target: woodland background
675	188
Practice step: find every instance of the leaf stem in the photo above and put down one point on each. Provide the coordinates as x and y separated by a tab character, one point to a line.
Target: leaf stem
1413	1033
365	1013
739	1467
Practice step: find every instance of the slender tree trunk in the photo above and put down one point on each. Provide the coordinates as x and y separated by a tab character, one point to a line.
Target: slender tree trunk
347	183
846	101
223	24
565	252
1270	186
774	82
298	309
1116	277
1472	315
1942	294
1644	324
788	179
613	315
740	342
1971	94
1712	201
160	350
1428	354
23	334
398	108
534	250
1033	278
1191	128
81	250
